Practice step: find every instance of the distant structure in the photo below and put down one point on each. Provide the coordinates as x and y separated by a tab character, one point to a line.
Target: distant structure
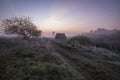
60	36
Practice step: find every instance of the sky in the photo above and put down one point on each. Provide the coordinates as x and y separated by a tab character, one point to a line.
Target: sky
68	16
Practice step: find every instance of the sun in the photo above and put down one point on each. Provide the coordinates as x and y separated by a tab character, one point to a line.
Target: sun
53	23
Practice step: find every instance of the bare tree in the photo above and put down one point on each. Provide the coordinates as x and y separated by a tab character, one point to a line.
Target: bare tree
21	26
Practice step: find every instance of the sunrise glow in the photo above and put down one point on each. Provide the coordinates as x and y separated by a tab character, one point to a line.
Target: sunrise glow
69	16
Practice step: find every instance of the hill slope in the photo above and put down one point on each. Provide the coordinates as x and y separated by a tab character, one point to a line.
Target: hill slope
45	59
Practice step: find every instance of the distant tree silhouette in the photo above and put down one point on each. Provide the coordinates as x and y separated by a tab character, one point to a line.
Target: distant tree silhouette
21	26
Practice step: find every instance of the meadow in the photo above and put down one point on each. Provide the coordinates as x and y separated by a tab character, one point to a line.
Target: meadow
50	59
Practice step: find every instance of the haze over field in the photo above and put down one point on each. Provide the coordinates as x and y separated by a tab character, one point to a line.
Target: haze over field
69	16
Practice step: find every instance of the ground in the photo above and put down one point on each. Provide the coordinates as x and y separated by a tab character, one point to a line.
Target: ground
48	59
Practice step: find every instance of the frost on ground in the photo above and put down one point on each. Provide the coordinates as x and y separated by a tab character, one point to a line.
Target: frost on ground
46	59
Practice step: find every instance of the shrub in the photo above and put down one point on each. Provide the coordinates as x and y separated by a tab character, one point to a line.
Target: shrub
81	40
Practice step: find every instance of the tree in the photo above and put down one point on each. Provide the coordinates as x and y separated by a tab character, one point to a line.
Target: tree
22	26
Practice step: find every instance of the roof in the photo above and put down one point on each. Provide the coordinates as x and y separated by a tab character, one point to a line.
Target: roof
61	36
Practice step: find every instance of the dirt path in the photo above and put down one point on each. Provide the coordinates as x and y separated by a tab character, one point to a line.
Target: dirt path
70	65
67	62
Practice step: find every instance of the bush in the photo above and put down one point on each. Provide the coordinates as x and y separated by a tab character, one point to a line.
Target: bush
81	40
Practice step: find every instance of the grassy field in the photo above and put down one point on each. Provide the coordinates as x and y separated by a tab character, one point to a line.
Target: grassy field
98	64
45	59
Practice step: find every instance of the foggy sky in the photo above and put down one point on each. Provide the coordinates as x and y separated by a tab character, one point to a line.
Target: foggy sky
70	16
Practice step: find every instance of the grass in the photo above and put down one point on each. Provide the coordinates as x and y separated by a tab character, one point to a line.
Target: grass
96	64
28	63
34	61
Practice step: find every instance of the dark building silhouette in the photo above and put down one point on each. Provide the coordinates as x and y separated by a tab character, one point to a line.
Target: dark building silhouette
60	36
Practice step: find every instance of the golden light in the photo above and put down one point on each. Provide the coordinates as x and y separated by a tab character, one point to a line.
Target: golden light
53	23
